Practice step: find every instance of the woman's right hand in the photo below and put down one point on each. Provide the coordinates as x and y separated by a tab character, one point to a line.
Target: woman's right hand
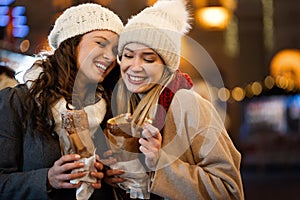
59	175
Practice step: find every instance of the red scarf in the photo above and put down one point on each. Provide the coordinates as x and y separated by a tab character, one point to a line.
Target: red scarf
180	81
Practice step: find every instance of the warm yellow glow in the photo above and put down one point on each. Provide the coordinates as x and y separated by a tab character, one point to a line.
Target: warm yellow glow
248	90
269	82
213	18
223	94
151	2
291	85
200	3
256	88
230	4
238	94
286	63
282	82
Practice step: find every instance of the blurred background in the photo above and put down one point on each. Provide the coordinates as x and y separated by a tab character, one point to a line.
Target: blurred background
255	47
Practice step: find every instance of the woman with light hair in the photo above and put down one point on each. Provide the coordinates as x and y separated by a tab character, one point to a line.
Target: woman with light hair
185	150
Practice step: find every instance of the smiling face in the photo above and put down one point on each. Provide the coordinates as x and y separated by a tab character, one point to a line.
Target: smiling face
96	55
141	67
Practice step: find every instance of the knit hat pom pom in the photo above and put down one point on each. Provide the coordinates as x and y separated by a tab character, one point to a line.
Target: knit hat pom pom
177	10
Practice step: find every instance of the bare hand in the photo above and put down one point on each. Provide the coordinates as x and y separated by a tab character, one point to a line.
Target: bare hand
150	145
98	174
111	176
59	175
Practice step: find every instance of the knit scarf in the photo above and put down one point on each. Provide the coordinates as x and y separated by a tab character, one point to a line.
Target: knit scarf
95	110
180	81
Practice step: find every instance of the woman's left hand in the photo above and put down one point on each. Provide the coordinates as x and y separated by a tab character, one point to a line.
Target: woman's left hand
150	145
97	174
111	176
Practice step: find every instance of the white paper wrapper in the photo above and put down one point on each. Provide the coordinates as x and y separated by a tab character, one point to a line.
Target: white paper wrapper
138	180
85	190
75	138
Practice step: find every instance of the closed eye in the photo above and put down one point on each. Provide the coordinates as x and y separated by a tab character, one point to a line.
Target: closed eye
149	60
149	57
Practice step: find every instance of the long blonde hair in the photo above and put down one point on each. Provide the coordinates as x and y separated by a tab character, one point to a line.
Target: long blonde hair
140	109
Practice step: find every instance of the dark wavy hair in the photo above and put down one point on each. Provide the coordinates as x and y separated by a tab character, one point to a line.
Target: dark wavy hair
57	81
7	71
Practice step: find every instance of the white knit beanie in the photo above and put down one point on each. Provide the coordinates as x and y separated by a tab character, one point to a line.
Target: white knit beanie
81	19
159	27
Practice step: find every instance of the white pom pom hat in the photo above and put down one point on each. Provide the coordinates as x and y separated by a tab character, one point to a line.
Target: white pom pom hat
160	27
81	19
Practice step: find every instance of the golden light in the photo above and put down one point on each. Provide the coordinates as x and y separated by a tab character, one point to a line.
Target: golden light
213	18
200	3
230	4
269	82
151	2
285	67
214	14
223	94
282	82
256	88
248	90
238	94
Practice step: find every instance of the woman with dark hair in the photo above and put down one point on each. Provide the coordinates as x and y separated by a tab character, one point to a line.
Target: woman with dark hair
78	76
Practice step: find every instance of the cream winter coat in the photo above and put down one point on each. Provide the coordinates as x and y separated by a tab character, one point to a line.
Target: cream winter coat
198	159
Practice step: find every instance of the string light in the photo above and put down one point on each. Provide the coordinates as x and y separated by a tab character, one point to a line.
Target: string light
238	93
224	94
269	82
256	88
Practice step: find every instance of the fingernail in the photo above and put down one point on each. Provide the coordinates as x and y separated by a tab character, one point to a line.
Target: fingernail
77	156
